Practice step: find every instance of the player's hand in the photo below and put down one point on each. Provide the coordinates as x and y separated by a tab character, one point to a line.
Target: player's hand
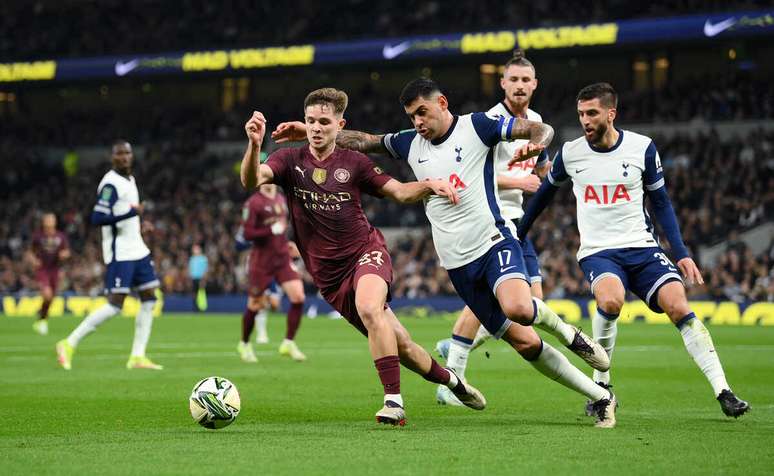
530	183
277	228
294	131
690	271
442	188
293	250
138	207
525	152
255	128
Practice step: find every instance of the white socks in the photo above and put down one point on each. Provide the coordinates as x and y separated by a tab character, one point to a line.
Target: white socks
394	397
698	343
457	359
260	321
91	322
605	329
549	321
482	336
142	328
554	365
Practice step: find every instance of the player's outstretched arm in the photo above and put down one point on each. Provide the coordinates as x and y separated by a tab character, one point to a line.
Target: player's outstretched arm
539	135
252	172
536	206
415	191
664	214
361	142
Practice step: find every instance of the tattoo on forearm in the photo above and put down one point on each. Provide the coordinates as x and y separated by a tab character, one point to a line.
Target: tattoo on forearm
360	141
537	132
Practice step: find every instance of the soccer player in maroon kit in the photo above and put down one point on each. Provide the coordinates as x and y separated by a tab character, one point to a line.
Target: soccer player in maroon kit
264	223
344	253
50	248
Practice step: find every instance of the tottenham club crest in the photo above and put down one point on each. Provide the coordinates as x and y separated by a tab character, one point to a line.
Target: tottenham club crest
341	175
319	176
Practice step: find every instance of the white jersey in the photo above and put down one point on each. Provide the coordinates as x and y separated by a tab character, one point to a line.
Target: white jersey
513	198
465	157
609	187
122	240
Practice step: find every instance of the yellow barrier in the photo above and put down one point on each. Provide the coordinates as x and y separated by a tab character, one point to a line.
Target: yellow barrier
77	305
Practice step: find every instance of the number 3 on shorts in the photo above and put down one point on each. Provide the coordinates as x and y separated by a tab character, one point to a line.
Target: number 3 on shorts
665	261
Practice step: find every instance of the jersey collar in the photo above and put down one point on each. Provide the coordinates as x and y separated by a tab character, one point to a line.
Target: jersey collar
443	138
615	146
505	105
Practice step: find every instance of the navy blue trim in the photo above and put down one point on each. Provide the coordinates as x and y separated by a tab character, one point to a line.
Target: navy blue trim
488	130
537	204
617	143
665	214
443	138
607	315
491	195
534	312
461	339
679	324
401	142
649	224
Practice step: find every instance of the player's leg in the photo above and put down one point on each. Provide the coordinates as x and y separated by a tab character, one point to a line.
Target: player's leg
262	316
698	342
47	295
143	323
554	365
294	290
254	306
145	281
456	351
418	360
117	281
609	292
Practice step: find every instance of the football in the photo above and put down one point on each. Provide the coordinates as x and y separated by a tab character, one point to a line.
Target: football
214	402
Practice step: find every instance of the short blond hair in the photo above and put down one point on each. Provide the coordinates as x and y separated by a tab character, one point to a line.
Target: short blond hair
331	96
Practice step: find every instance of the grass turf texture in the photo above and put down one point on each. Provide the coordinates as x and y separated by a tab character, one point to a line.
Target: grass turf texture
317	417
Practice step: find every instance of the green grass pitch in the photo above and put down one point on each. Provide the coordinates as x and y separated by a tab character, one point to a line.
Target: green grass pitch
317	417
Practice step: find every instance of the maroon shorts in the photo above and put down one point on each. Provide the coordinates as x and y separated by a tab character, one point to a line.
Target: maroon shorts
342	297
48	277
263	268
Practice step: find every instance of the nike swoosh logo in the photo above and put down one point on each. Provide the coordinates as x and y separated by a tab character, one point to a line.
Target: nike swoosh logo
502	270
390	52
711	29
577	171
420	161
123	69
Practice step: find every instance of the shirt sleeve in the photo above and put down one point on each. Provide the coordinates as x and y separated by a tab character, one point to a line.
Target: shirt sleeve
558	175
491	129
102	214
371	177
653	178
398	144
280	163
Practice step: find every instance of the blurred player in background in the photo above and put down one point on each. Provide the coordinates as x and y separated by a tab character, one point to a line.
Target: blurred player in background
344	253
264	225
612	171
519	83
197	269
475	244
49	249
128	260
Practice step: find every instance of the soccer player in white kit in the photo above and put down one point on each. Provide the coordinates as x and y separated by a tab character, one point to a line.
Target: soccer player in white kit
612	170
474	242
128	260
519	83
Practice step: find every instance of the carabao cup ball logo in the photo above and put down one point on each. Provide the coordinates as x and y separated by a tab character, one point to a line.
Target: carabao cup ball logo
341	175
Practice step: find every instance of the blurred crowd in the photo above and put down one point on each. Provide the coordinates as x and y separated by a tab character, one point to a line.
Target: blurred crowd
718	188
109	26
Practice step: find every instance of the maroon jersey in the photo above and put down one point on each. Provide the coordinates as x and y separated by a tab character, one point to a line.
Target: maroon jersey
47	248
259	215
331	229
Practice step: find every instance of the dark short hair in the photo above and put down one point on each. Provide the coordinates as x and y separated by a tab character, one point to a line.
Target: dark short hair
330	96
519	59
418	88
119	141
603	91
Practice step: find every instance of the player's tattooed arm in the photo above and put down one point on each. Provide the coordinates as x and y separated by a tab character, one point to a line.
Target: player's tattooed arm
539	135
361	142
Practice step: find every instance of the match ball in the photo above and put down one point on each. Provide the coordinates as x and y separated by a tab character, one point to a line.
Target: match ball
214	402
